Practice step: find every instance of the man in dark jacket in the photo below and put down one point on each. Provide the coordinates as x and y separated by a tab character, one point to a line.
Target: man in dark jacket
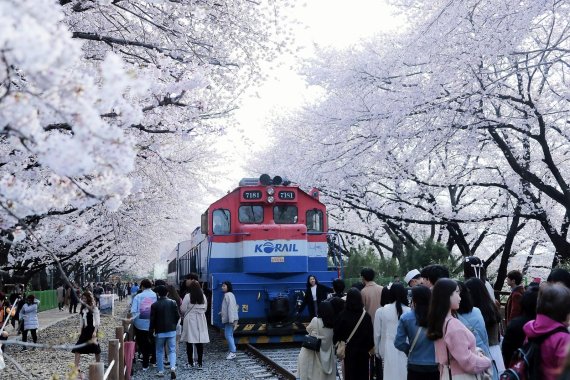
514	334
164	317
513	308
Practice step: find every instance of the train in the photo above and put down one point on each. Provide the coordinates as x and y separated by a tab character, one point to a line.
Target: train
266	237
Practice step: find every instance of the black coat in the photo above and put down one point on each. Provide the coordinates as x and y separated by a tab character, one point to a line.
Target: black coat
164	316
322	294
514	337
356	353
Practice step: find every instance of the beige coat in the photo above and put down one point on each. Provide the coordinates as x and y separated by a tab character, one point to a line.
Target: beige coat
195	326
371	294
318	365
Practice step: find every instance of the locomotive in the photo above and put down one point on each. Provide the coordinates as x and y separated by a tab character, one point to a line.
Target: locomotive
266	237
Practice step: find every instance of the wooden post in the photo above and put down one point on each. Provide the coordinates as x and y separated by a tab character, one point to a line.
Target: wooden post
113	355
126	329
96	371
119	336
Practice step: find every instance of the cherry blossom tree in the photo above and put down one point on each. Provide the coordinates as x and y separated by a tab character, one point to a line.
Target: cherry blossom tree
457	123
108	111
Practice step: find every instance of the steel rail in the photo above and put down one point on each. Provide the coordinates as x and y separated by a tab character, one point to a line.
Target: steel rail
276	367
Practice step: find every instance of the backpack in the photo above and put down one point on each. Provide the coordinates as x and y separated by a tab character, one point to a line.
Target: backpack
525	363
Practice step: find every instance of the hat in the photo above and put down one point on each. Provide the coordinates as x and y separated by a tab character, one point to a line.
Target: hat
410	275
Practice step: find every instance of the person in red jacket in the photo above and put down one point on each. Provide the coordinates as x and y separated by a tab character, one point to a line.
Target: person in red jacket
513	308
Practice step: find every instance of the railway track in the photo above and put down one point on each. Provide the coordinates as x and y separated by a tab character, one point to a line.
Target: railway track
270	363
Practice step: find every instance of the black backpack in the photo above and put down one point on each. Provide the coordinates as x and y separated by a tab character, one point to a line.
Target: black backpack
525	363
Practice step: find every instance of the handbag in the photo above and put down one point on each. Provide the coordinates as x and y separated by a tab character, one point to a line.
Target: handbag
341	345
312	343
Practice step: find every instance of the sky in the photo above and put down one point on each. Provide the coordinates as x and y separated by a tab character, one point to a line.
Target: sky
322	23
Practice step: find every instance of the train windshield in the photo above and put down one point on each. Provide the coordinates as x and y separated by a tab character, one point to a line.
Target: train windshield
221	221
314	220
250	214
285	214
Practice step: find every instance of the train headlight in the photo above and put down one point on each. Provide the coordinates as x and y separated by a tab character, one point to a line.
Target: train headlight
270	191
270	199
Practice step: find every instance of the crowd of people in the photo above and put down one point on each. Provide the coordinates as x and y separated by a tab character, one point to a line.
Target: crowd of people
427	326
162	317
430	326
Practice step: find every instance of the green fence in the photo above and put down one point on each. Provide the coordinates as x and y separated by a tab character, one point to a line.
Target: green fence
48	299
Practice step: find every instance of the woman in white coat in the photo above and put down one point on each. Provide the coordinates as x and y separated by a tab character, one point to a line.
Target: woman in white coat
321	365
229	314
385	327
195	326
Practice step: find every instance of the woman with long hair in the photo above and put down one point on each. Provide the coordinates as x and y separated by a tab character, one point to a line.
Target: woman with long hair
492	318
411	337
229	314
385	326
315	293
319	365
195	326
356	354
455	346
472	318
90	321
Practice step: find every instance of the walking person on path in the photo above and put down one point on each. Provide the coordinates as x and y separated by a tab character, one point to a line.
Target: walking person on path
230	317
140	310
29	314
89	326
195	326
164	317
60	291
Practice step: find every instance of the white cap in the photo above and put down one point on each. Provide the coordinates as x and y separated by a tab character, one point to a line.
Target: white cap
410	275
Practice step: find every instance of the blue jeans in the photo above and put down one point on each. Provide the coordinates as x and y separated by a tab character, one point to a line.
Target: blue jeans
229	334
160	352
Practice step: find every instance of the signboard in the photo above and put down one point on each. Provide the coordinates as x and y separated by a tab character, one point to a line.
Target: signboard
106	303
252	195
286	195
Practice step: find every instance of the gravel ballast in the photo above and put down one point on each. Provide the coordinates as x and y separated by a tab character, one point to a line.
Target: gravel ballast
58	364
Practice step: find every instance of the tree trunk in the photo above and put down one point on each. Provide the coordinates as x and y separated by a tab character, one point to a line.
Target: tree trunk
513	229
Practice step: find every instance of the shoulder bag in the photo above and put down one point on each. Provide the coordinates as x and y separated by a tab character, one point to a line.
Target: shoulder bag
415	341
341	345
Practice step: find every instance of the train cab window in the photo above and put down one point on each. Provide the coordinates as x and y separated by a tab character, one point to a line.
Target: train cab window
314	220
249	214
221	221
285	214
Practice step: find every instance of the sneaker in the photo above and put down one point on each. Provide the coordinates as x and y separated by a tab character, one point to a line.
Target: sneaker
199	367
189	366
231	356
145	369
160	374
172	374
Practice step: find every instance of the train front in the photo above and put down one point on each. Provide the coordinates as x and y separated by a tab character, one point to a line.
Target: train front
266	237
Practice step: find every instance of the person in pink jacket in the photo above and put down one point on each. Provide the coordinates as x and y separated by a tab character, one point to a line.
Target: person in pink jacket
552	313
452	339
